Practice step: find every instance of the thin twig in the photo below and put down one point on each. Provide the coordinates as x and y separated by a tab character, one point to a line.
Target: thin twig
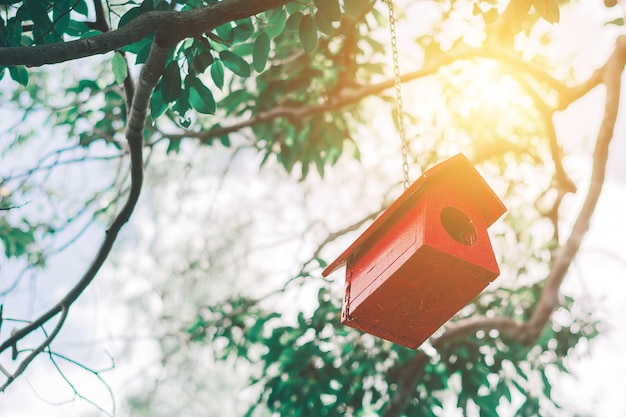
150	74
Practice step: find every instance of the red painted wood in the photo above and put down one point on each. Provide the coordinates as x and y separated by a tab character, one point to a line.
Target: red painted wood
424	258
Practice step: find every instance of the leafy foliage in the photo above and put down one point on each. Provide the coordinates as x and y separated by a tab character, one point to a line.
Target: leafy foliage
17	241
299	74
318	366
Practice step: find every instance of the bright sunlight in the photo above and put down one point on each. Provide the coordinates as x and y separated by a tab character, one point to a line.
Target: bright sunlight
488	107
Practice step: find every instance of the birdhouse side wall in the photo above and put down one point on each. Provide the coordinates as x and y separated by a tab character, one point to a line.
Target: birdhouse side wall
386	251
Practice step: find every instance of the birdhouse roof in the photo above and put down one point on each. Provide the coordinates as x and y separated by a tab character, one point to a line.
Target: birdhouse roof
455	169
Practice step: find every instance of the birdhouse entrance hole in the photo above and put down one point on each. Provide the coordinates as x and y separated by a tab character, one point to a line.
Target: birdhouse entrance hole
458	226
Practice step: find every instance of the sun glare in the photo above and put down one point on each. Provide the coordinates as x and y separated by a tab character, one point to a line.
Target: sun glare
483	86
486	105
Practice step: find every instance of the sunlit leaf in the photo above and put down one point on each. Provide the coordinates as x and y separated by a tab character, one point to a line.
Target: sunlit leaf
355	8
618	21
276	22
329	8
548	9
324	24
119	68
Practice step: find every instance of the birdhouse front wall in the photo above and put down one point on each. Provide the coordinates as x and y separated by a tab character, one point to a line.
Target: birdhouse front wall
427	262
454	225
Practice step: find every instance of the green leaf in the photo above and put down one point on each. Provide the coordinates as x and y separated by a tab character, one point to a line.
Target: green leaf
173	146
619	22
235	63
19	74
90	33
354	8
77	29
81	8
61	16
293	22
201	61
324	24
217	74
547	387
548	9
184	122
157	105
226	32
261	51
243	49
329	8
16	241
140	48
276	22
308	34
236	99
171	82
119	68
128	16
42	25
243	30
200	97
14	32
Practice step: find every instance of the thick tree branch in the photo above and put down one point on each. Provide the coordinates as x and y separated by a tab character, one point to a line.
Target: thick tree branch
356	93
574	93
343	98
148	78
173	26
528	333
563	180
549	296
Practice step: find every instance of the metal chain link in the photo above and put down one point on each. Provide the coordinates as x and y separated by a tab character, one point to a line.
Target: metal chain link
398	88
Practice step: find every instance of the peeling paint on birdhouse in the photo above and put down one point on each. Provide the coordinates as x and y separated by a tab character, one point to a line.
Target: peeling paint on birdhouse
424	258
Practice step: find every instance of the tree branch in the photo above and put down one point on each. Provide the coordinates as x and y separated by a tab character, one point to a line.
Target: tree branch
35	352
148	78
528	333
355	93
173	27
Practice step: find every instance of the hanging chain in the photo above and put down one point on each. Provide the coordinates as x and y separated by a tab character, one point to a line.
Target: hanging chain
398	88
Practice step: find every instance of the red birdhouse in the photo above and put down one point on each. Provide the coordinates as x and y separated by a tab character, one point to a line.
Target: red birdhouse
424	258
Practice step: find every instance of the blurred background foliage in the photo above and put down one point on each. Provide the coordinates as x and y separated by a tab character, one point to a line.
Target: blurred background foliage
297	88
